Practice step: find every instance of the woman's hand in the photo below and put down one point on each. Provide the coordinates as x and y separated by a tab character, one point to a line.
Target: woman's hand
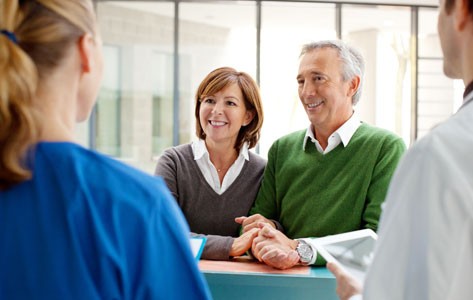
251	222
243	243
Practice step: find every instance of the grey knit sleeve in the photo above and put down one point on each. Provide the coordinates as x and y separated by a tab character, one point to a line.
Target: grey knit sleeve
167	169
217	247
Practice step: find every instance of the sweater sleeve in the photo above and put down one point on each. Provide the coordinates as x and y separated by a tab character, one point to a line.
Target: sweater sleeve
388	158
167	169
216	247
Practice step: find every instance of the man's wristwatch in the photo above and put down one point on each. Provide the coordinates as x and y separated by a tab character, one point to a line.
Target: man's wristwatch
305	252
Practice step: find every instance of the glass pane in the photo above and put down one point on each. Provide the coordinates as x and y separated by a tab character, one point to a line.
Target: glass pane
82	134
134	111
107	116
211	35
438	95
285	28
382	34
161	65
134	114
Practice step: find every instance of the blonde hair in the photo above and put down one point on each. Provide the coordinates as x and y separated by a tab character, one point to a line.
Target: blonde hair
219	79
45	30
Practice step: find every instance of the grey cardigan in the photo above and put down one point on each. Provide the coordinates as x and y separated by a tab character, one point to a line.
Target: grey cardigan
207	212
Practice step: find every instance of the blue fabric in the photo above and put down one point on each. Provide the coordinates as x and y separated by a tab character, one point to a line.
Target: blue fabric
89	227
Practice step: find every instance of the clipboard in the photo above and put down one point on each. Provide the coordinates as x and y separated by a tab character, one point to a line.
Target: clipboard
353	250
197	246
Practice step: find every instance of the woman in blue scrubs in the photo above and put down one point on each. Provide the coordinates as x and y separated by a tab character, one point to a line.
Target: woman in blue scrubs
75	224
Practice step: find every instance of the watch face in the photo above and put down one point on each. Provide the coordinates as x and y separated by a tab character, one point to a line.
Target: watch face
305	252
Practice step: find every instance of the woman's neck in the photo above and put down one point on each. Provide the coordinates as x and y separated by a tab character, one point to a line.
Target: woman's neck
57	114
221	155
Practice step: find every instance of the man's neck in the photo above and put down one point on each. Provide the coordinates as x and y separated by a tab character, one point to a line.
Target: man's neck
322	134
468	89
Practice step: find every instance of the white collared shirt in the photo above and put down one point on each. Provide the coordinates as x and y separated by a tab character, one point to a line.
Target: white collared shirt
202	158
341	135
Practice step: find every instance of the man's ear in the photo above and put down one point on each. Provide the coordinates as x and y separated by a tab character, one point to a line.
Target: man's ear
86	45
354	84
461	14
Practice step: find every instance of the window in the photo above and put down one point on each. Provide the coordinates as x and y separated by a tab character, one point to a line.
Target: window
162	120
285	27
108	109
142	110
137	80
382	34
211	35
436	92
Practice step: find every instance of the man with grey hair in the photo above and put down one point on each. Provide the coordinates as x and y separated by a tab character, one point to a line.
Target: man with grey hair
329	178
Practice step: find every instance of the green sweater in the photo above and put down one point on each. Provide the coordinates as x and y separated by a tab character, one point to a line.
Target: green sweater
314	195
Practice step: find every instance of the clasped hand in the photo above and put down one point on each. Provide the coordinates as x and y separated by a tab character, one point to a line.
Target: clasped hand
270	245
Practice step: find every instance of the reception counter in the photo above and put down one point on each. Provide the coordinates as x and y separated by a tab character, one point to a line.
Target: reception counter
246	279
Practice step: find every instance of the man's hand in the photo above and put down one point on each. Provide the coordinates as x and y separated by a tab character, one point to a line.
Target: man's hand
248	223
243	243
347	286
274	249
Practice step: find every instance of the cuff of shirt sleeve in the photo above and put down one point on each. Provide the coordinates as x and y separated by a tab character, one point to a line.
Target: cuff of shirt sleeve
278	225
356	297
314	251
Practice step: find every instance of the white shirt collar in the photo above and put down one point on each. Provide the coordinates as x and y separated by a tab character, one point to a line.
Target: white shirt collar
200	149
210	173
345	132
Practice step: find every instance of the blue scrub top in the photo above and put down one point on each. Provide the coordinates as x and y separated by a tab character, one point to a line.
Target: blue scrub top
89	227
